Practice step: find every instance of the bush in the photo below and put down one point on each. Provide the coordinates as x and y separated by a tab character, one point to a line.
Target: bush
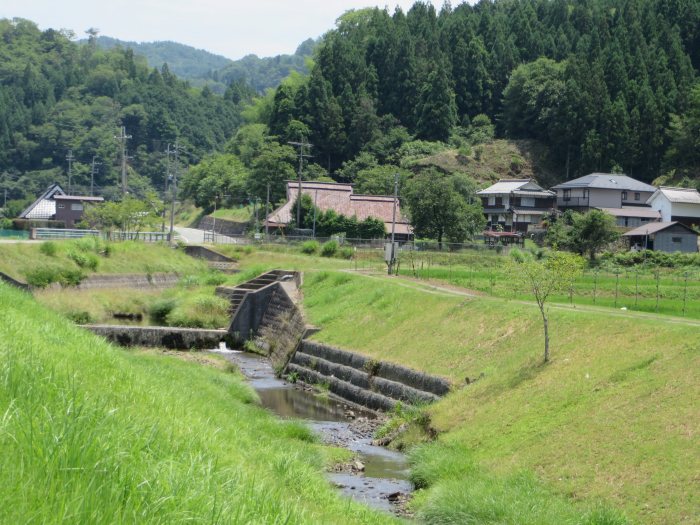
329	249
309	247
160	309
346	252
200	311
86	260
80	317
45	275
48	248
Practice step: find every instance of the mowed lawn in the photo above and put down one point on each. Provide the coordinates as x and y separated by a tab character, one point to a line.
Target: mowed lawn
91	433
613	417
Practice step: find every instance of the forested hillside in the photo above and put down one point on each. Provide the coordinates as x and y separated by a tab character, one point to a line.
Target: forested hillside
605	85
57	96
202	68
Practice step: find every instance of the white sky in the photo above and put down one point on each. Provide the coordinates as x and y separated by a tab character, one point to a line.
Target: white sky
230	28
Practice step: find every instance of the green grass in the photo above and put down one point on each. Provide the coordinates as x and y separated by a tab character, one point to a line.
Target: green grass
20	260
612	417
90	433
242	214
633	289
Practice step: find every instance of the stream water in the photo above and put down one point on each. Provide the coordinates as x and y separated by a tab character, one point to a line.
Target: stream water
384	478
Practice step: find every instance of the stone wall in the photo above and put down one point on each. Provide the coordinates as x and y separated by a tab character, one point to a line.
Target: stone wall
223	226
161	336
129	280
202	252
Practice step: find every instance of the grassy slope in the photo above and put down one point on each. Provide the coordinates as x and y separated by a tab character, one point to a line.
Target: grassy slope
612	416
126	257
93	434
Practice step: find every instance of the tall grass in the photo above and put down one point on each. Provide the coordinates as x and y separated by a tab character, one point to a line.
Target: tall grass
92	434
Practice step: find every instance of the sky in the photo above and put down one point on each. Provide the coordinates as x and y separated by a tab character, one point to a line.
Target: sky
233	28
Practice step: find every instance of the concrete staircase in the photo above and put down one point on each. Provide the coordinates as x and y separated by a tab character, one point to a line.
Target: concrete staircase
375	384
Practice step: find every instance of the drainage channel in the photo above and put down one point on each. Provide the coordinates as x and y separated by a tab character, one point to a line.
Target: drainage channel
379	477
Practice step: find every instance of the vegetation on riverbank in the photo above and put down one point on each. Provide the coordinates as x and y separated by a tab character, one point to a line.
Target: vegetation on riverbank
611	417
43	263
93	433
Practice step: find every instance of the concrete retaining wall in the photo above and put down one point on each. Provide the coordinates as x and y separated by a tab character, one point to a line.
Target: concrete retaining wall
129	280
202	252
160	336
223	226
14	282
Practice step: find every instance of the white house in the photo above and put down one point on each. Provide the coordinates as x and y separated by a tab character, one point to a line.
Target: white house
677	204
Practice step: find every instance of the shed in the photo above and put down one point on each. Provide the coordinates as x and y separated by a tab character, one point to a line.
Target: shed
665	237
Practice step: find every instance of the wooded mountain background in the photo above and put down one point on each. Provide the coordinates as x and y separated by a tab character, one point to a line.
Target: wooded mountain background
592	85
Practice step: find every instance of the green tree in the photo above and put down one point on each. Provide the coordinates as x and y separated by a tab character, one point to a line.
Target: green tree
274	165
592	231
546	277
437	108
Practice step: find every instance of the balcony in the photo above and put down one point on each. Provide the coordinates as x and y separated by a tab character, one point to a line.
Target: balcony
572	202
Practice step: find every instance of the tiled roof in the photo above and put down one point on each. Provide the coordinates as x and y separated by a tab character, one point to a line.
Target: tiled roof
653	227
678	195
341	199
606	181
81	198
504	186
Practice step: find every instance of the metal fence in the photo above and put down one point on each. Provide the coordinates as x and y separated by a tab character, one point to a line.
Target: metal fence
61	233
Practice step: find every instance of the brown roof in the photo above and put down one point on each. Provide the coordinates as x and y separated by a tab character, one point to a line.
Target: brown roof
654	227
341	199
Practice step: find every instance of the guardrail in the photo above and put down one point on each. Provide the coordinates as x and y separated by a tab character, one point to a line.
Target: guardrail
58	233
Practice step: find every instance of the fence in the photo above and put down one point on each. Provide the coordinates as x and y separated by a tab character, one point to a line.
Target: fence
59	233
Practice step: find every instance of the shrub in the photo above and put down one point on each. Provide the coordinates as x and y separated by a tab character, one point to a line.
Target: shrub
329	249
45	275
346	252
200	311
80	317
159	310
48	248
86	260
309	247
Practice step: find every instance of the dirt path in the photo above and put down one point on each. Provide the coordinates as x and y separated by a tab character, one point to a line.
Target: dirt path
433	288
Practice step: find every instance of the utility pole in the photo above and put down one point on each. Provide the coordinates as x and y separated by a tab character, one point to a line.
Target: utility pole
173	191
393	222
267	211
122	138
315	199
301	145
70	158
92	174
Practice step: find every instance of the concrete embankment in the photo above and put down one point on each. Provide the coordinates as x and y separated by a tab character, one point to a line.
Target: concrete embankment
374	384
160	336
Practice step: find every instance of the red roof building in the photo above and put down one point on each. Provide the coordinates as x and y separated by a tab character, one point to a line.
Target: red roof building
341	199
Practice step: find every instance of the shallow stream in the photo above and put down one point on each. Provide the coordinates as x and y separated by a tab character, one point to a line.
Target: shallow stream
384	479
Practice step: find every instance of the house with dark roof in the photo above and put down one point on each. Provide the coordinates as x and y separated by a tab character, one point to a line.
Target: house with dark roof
664	236
341	199
621	196
515	205
677	204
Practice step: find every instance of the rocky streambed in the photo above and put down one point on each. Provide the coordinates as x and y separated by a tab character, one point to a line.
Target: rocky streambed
377	477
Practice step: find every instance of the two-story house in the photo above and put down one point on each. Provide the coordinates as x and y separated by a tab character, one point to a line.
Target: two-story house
516	205
677	204
619	195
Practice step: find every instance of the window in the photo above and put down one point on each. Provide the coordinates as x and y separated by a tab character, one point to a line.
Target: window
76	206
492	200
60	206
624	195
585	194
676	240
567	195
637	196
528	202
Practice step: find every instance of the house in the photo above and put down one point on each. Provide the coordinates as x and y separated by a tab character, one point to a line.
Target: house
633	216
341	199
69	208
515	204
54	204
602	190
677	204
44	208
664	236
